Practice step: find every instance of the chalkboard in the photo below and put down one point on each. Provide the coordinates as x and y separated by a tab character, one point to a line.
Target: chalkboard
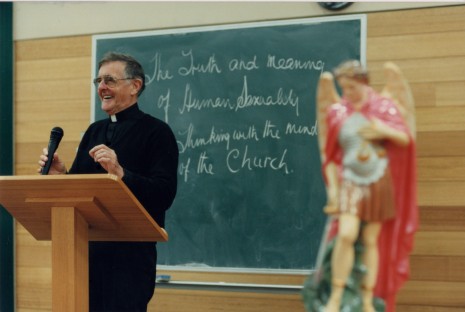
241	102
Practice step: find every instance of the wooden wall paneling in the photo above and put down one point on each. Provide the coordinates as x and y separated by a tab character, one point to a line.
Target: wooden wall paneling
419	21
443	143
442	218
33	271
36	254
203	301
444	69
423	308
46	90
66	110
441	168
416	46
54	69
72	130
437	268
450	93
54	48
424	94
432	293
442	193
438	243
34	288
438	119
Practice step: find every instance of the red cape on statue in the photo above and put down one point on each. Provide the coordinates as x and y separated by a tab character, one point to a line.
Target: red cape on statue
397	235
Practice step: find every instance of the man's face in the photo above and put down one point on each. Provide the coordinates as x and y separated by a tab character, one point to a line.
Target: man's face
120	96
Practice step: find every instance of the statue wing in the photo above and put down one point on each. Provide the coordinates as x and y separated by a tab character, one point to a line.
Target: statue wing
326	95
398	89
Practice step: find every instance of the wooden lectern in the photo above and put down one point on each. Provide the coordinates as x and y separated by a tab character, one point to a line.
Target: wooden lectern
71	210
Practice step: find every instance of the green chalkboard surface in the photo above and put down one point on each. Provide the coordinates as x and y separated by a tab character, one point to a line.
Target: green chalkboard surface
241	102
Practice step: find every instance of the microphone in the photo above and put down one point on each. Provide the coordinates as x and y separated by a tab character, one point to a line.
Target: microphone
55	137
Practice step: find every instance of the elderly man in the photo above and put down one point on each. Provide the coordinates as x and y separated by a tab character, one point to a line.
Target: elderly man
142	151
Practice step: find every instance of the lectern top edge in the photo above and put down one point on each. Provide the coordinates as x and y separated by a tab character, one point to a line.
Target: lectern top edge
112	212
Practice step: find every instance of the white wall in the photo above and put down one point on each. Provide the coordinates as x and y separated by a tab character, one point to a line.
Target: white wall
33	20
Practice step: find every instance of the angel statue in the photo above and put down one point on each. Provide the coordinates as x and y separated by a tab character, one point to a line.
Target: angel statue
367	144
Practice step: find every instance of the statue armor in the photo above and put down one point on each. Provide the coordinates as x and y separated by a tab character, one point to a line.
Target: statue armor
364	162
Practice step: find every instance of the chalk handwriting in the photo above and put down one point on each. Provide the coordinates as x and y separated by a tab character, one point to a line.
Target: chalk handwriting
192	142
246	100
237	160
192	103
292	128
184	169
203	166
158	72
164	102
250	134
239	64
293	64
245	156
270	130
210	67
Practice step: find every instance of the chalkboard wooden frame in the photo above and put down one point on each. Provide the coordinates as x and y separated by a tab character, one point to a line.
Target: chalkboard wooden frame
251	192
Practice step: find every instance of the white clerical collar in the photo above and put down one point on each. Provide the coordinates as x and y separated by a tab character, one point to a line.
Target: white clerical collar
113	118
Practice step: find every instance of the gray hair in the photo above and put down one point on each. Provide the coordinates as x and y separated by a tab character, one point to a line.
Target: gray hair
133	68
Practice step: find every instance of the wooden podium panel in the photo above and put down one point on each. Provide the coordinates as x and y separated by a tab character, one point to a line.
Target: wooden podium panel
109	207
70	210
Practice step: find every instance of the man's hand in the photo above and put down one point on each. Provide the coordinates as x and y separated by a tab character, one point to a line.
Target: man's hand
107	158
57	167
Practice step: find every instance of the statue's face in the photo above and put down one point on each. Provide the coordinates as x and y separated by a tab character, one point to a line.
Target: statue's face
353	90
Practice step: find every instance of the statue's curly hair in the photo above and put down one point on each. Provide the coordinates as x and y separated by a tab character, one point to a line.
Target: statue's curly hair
352	69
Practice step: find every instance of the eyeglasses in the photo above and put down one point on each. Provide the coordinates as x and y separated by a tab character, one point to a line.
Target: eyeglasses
109	81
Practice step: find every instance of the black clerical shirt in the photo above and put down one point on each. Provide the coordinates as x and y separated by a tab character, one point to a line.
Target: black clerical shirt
147	150
122	274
